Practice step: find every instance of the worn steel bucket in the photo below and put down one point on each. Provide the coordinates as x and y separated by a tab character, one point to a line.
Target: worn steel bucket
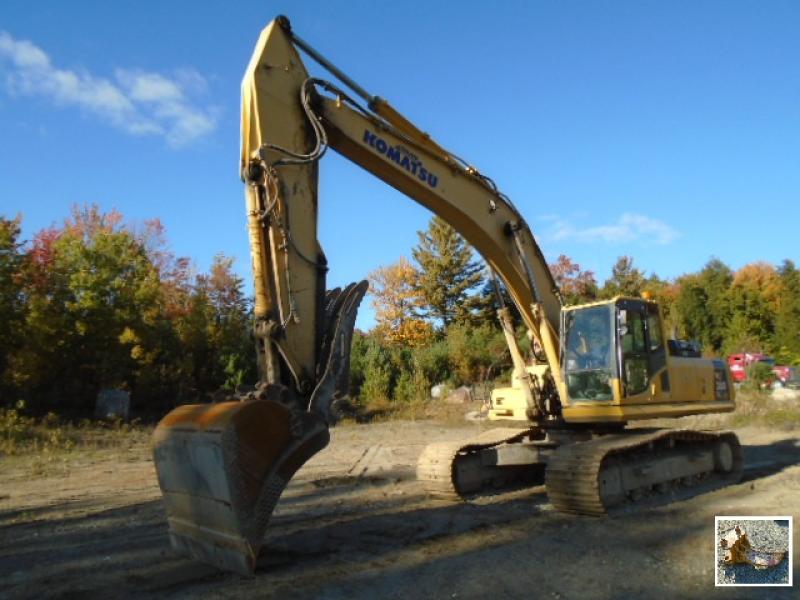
222	468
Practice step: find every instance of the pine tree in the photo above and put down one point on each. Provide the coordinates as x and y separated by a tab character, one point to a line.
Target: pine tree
447	274
626	280
703	304
12	300
787	319
486	312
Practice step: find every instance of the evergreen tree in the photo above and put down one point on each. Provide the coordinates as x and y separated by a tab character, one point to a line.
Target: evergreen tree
486	312
12	297
787	319
626	280
703	304
447	274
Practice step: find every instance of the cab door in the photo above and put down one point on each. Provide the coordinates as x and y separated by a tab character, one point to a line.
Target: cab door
656	350
633	348
643	354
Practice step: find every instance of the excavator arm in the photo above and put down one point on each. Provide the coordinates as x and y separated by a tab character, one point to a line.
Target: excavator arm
222	467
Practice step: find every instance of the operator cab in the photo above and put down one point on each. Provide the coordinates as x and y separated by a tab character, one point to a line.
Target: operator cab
621	339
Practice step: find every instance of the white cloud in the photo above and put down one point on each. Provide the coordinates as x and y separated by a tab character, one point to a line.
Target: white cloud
137	102
629	227
166	100
149	87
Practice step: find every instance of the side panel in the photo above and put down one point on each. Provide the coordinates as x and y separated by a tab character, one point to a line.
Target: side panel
691	379
608	413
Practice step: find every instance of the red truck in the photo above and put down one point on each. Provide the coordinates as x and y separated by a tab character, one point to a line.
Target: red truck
738	364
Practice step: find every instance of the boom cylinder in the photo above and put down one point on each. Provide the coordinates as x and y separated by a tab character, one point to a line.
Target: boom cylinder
255	232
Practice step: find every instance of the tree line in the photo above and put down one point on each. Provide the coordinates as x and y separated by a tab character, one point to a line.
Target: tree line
96	302
435	315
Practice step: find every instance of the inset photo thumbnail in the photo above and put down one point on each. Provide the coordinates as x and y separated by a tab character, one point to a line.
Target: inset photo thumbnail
753	550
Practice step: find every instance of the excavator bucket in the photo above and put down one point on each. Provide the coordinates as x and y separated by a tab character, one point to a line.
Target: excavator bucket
222	468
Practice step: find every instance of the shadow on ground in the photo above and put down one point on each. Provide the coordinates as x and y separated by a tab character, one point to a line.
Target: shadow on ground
769	459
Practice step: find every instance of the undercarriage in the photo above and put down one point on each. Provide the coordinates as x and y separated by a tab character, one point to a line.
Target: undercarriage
590	472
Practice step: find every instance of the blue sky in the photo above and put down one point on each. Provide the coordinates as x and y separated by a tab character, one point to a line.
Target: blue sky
669	131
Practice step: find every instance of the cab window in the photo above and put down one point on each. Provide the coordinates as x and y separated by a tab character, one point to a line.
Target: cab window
654	328
658	354
589	363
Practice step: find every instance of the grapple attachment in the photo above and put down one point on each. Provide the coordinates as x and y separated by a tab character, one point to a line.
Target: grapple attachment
222	468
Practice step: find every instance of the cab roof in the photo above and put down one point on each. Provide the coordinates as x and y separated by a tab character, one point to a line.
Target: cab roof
613	300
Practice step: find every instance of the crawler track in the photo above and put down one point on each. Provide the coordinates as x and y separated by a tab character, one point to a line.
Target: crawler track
439	464
580	476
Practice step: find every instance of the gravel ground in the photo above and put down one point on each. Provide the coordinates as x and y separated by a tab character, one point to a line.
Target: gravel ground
764	534
355	523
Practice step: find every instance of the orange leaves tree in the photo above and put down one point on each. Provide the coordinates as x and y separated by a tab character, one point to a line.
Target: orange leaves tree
576	285
395	300
754	301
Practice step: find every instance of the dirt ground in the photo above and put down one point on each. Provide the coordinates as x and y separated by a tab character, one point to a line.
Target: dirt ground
354	523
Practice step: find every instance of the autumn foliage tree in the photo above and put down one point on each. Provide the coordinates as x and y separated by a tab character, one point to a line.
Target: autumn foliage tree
107	305
93	293
754	297
395	299
98	302
575	284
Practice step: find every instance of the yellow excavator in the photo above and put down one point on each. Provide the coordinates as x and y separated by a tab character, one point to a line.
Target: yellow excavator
222	467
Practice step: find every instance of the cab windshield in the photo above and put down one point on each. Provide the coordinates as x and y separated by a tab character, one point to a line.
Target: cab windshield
589	352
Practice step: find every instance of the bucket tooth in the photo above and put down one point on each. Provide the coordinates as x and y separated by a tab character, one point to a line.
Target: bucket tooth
221	469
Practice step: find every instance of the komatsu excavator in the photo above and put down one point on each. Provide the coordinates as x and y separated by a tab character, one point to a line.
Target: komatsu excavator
222	467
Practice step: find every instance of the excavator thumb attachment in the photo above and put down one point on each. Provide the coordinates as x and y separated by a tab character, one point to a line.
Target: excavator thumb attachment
341	307
222	467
